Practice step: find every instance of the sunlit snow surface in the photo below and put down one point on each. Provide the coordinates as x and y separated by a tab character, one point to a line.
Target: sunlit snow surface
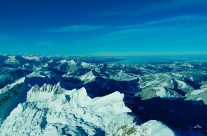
55	96
51	110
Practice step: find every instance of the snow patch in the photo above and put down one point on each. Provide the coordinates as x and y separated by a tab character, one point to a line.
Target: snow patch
35	58
155	128
11	60
87	77
199	91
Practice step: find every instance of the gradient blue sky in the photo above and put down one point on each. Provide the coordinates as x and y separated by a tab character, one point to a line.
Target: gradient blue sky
103	27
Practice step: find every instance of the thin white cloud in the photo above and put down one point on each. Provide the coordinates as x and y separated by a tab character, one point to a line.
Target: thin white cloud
157	38
76	28
177	20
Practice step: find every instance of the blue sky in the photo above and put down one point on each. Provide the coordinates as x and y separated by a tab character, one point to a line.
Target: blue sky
103	27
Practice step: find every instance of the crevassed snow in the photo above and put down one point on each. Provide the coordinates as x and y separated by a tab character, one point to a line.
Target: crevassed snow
53	111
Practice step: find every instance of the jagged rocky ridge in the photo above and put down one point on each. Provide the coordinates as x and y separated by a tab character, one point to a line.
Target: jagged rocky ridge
52	110
37	94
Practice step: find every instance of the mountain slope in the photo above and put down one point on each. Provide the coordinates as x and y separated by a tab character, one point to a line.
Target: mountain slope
52	110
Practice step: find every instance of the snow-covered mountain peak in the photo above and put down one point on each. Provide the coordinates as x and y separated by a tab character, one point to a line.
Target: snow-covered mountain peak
74	109
11	60
87	77
35	58
69	62
52	110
